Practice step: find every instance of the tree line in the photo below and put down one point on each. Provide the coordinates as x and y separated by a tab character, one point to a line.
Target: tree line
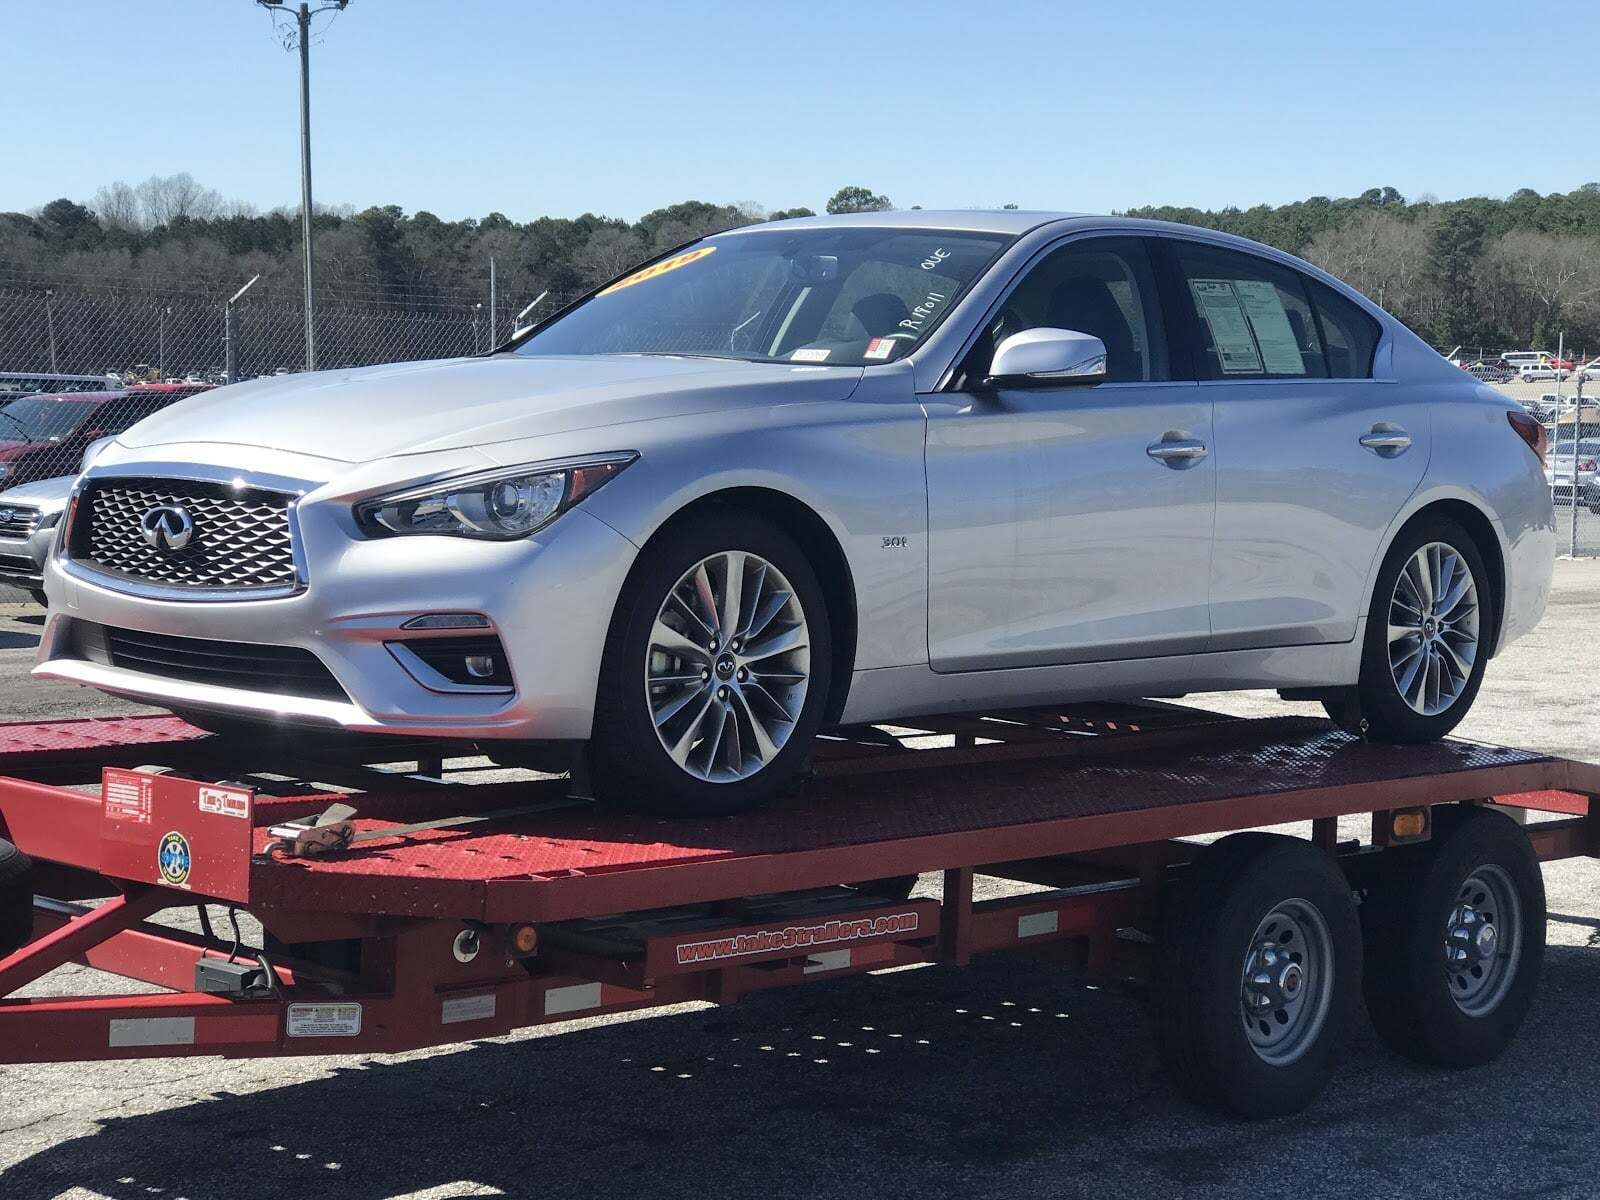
1516	271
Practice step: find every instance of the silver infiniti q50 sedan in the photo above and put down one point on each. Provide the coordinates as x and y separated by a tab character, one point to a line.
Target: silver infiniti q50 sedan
824	472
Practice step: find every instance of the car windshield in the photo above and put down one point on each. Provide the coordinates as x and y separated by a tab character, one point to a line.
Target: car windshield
849	297
42	418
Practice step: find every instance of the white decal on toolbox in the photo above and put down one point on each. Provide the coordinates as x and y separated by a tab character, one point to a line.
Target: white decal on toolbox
152	1031
225	802
323	1020
828	960
479	1007
573	998
795	937
1033	924
128	800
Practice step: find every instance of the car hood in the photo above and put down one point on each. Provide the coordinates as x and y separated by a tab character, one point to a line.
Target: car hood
415	408
47	495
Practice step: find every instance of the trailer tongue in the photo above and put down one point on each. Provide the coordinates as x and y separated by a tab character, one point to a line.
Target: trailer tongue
403	909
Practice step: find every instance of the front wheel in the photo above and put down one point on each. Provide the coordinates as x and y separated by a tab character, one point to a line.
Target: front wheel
1427	638
716	672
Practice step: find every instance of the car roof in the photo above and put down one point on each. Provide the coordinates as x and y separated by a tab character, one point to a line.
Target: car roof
959	220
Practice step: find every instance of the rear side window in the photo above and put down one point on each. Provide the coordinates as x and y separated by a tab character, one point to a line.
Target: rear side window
1253	318
1350	336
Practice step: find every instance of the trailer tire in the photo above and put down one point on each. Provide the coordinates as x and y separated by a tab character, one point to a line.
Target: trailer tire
1234	917
16	899
1431	998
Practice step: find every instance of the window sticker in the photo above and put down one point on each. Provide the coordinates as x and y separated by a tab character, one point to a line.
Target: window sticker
1280	349
816	354
879	348
1230	328
660	268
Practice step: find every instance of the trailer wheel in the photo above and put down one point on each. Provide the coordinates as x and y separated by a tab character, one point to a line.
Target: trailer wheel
1455	933
16	899
1257	974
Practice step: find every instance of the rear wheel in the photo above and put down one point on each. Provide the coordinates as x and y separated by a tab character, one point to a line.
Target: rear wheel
1455	932
1427	638
1257	973
716	672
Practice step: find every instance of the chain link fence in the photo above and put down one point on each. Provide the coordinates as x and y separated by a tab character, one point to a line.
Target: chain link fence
1570	411
173	334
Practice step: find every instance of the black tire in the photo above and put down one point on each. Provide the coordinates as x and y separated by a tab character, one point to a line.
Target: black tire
16	899
628	765
1411	992
1376	698
1209	923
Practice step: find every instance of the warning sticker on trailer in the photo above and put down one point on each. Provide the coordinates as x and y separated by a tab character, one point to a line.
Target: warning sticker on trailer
127	797
323	1020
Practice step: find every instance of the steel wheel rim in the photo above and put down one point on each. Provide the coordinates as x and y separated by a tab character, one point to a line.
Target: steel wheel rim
1287	986
728	666
1483	940
1433	629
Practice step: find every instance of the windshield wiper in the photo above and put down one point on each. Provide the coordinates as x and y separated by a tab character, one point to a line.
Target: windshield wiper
27	434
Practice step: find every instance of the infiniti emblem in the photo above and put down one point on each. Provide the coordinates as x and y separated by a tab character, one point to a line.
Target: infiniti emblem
167	527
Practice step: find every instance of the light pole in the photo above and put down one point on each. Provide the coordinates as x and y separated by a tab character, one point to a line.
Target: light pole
303	20
50	326
230	339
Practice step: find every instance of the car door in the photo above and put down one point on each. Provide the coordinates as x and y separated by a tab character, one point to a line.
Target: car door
1071	524
1314	456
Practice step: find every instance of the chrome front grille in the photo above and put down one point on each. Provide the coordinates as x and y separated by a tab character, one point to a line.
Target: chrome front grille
18	520
241	538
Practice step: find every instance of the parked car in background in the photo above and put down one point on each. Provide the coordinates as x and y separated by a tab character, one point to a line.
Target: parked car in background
1490	372
29	382
1539	410
1590	369
29	514
45	435
829	471
1534	372
1558	473
1518	359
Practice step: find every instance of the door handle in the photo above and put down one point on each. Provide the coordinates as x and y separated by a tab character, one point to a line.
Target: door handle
1386	440
1177	452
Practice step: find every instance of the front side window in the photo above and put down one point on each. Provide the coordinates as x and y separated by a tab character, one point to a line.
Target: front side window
847	297
1252	316
1099	286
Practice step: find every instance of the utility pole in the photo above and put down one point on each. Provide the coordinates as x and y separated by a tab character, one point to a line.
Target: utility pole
303	21
161	342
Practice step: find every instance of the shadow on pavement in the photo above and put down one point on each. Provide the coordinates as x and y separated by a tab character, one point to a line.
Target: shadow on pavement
1006	1079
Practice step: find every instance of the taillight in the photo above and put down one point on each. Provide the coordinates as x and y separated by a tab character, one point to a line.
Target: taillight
1531	432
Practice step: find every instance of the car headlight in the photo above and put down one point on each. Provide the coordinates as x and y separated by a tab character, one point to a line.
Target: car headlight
498	505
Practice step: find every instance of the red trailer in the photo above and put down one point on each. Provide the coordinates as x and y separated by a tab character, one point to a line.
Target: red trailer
406	908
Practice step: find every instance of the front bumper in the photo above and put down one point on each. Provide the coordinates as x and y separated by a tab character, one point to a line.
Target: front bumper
549	598
22	562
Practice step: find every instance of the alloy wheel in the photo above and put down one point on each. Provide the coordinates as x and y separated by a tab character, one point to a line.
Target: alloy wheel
728	667
1433	628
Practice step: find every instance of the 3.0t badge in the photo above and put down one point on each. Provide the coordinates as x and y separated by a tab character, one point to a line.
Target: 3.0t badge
167	527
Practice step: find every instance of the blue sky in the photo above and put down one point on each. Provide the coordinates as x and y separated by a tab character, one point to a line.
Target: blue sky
527	107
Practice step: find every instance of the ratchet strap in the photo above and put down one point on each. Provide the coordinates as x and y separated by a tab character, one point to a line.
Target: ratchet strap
333	831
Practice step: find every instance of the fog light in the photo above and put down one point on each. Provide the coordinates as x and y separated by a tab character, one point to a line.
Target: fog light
480	666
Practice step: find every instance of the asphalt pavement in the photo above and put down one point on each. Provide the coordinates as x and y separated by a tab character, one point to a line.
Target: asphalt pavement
1007	1078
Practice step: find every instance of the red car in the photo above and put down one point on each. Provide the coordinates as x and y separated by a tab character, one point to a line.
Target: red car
43	436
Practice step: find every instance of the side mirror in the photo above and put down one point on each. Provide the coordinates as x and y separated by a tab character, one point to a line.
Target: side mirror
1048	358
